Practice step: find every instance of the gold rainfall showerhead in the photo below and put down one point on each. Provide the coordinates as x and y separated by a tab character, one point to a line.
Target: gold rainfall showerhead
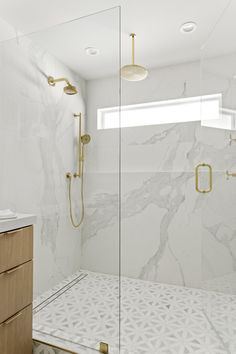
68	89
133	72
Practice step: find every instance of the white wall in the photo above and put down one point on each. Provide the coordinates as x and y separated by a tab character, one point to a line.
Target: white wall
36	144
169	232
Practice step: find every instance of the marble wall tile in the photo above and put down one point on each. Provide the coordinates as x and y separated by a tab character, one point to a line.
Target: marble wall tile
36	144
169	232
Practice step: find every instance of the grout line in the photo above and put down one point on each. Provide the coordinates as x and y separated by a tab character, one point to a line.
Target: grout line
216	332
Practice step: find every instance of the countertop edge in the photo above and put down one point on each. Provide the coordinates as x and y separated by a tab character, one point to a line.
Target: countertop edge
22	220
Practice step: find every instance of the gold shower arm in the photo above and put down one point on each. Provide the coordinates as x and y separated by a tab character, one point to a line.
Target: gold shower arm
52	81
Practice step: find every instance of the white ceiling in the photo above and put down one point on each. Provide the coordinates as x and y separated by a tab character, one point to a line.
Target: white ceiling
156	23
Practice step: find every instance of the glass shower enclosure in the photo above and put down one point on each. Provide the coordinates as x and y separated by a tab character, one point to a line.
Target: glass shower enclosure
151	269
51	88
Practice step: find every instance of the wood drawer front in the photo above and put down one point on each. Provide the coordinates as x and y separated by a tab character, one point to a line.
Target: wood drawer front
16	247
16	287
16	333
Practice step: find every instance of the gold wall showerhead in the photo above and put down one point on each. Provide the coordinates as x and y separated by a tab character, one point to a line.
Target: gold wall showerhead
68	89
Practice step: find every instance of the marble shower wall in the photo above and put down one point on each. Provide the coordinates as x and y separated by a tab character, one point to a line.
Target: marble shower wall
169	232
36	144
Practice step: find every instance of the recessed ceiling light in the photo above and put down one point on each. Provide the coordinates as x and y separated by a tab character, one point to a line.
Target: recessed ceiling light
91	51
188	27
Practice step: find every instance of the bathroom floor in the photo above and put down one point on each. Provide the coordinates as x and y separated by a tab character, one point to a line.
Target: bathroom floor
155	318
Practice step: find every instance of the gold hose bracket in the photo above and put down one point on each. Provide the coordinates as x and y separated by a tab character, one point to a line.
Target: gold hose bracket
197	168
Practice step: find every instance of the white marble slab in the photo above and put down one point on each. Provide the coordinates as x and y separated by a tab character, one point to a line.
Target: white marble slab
21	220
37	136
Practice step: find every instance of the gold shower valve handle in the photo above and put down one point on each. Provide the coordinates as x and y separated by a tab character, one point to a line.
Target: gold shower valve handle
68	175
231	139
197	168
230	174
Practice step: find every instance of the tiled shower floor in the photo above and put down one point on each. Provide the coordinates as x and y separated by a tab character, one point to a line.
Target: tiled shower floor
155	318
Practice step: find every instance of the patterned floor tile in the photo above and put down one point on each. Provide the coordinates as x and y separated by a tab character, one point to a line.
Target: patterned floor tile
155	318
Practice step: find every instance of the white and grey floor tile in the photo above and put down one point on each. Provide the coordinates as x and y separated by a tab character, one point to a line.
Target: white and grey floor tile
155	318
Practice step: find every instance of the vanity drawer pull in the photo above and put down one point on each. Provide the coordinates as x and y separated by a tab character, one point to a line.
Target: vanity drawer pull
13	318
13	232
13	270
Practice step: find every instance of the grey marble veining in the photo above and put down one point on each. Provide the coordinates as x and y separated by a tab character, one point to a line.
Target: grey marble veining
169	188
37	135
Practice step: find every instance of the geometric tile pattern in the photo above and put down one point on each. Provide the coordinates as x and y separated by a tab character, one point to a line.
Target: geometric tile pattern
155	318
40	348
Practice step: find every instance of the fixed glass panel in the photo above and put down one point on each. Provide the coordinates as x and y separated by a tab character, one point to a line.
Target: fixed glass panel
57	165
218	210
161	295
170	174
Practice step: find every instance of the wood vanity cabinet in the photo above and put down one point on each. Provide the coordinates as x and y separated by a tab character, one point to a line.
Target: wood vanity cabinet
16	291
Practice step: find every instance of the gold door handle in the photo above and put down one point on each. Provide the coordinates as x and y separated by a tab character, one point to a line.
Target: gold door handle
197	178
13	318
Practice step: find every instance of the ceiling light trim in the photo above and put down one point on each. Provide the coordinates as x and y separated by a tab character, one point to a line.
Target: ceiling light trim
188	27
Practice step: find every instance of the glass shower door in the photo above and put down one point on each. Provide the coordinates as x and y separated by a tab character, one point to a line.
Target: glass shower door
178	224
218	214
76	270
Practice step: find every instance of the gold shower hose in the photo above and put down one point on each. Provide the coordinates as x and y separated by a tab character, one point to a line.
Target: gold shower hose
77	225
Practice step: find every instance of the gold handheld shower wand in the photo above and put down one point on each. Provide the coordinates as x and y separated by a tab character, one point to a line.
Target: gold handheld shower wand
81	141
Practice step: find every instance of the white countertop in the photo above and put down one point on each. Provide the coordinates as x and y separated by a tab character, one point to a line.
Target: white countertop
22	220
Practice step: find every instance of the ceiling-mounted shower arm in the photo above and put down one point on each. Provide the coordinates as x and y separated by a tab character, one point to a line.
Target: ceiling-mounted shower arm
133	35
133	72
